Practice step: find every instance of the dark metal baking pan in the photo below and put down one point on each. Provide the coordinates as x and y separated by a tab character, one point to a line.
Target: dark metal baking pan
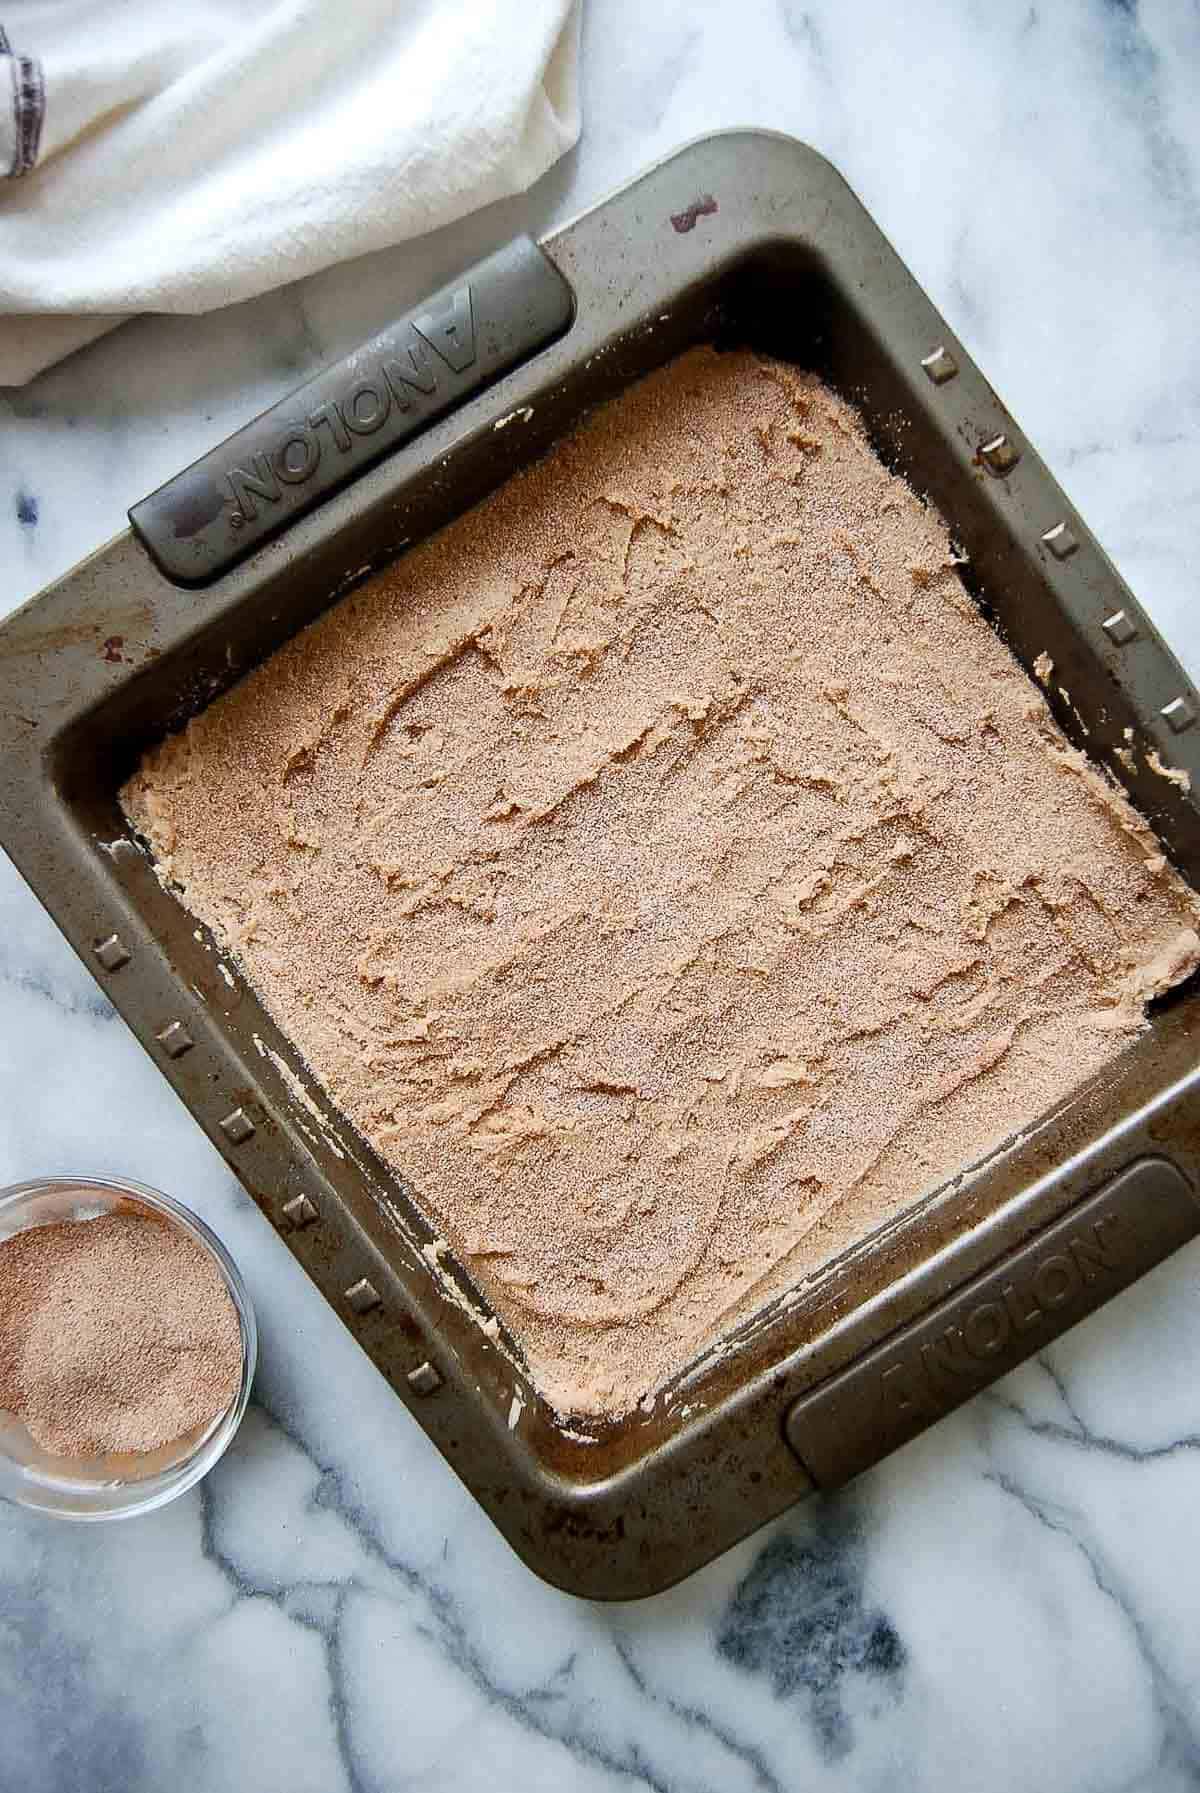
741	238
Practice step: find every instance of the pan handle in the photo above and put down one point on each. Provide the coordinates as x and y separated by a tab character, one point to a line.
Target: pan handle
992	1323
351	414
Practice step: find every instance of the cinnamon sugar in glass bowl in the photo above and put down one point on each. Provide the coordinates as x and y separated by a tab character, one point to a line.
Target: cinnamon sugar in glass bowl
117	1485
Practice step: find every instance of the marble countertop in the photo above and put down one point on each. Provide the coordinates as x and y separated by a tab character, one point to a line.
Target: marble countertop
1013	1599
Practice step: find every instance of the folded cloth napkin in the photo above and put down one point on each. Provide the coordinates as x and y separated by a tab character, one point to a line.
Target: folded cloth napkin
180	157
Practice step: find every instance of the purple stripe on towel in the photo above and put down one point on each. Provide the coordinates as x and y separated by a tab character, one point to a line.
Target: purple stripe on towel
31	110
29	106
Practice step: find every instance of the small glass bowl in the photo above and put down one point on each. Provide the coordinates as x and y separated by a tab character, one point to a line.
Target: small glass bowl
116	1486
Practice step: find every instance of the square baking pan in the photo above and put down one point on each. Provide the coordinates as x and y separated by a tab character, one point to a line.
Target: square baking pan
742	238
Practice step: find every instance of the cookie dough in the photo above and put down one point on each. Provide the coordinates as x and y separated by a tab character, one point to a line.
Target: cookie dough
668	870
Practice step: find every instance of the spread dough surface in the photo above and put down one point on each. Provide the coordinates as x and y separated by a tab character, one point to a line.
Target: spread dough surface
668	870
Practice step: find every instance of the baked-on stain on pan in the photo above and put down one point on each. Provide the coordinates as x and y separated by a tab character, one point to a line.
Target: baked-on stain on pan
786	262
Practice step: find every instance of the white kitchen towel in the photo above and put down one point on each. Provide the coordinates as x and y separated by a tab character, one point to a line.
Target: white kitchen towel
181	156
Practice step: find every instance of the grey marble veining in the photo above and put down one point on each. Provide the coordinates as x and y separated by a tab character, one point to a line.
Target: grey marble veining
1015	1598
